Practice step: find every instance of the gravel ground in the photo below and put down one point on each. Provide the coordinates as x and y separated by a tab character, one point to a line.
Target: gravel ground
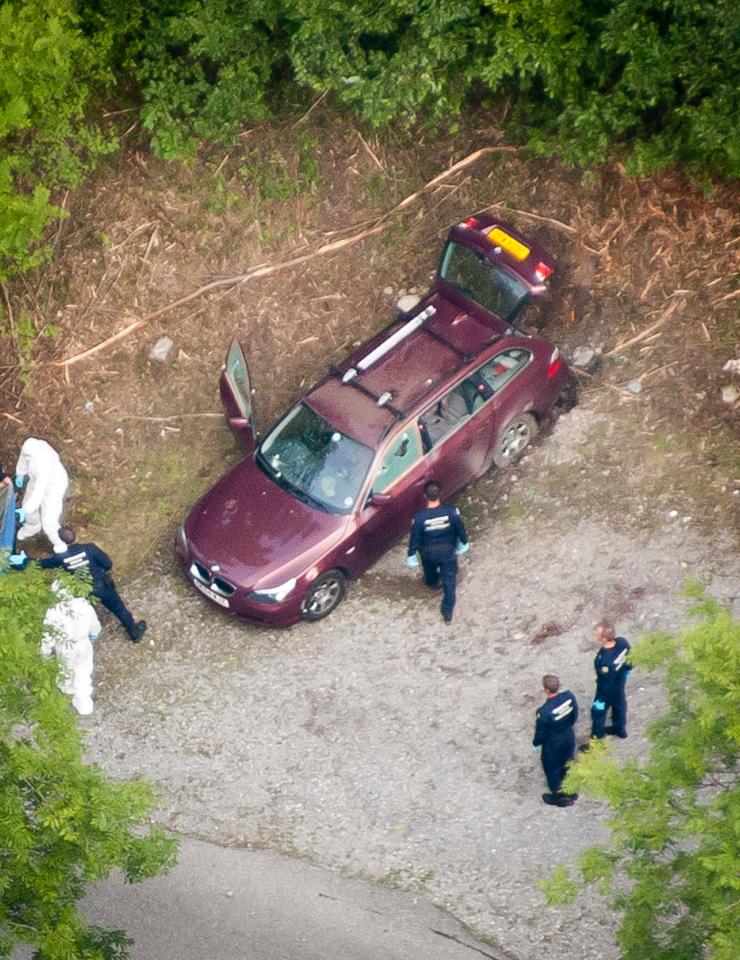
386	745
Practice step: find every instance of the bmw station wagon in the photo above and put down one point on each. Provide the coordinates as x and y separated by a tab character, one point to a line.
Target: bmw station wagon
447	390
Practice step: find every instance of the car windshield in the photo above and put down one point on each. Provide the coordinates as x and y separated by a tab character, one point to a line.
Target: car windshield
317	462
488	284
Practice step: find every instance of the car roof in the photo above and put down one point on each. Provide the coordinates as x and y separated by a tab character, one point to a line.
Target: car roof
446	341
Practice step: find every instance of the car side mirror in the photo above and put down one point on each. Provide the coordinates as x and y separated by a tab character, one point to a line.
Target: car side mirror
238	423
378	499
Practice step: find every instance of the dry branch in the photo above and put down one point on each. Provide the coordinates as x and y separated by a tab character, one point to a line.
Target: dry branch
663	319
267	270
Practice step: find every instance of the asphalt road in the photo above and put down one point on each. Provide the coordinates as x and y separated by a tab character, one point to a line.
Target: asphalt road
225	903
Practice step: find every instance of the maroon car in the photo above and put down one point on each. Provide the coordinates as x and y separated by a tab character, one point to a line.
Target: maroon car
449	389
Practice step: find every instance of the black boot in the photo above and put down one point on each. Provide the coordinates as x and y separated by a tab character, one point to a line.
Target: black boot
137	631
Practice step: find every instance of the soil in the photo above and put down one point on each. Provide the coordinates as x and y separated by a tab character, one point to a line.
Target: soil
381	742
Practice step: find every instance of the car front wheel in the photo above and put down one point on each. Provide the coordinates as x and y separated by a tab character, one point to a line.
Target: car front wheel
324	595
514	439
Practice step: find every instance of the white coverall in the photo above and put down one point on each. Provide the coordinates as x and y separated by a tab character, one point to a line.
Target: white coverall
68	627
43	500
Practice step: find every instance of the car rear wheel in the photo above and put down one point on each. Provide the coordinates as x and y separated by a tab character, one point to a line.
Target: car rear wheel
514	439
324	595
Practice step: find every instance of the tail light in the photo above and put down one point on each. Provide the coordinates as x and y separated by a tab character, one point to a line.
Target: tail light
472	223
555	363
542	271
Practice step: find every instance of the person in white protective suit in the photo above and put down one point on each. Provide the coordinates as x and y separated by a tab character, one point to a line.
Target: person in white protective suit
43	501
70	627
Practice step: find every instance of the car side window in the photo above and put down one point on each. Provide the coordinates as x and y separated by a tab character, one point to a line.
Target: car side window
403	452
454	408
503	366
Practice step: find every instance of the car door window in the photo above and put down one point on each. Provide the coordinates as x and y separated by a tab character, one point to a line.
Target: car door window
402	453
503	367
452	410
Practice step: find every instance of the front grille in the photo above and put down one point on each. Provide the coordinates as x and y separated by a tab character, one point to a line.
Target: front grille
217	584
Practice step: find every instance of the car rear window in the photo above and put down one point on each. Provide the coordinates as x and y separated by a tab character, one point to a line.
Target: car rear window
481	280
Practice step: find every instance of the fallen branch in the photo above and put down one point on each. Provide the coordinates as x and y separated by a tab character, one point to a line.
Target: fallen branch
174	416
267	270
665	317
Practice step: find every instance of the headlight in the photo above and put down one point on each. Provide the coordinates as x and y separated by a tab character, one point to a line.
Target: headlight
273	594
182	540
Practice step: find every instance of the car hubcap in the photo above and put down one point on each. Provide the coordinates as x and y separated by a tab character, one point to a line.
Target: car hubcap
515	440
325	597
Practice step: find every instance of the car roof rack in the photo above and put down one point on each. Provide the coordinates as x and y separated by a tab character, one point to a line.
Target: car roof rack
381	399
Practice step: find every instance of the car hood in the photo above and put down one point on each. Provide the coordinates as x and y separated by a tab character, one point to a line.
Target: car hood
258	533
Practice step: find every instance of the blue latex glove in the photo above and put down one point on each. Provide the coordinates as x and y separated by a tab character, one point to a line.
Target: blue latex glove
412	560
94	637
20	480
18	559
598	705
462	548
534	749
20	514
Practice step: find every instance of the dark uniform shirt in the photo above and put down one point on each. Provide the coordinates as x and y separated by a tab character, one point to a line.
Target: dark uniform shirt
555	718
612	667
436	531
83	557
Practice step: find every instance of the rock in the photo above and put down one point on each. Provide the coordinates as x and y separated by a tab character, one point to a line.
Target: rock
634	386
88	406
582	356
388	291
730	395
732	366
163	351
672	514
722	214
407	302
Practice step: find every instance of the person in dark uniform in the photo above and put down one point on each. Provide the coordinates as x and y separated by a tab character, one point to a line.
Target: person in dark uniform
554	732
438	535
612	669
97	563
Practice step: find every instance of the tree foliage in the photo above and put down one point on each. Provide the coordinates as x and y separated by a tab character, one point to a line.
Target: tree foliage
651	83
63	823
671	867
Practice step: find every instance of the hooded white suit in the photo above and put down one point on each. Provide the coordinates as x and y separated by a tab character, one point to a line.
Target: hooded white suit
68	627
43	500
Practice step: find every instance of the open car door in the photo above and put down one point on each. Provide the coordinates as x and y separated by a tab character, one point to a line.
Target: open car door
236	394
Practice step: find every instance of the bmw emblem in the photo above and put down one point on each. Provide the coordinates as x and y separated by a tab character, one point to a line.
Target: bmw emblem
215	568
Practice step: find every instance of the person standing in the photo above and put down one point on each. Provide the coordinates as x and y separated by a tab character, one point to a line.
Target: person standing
554	733
438	535
612	668
43	501
78	557
70	628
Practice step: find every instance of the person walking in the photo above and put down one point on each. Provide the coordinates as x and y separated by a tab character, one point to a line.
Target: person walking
87	557
438	536
554	733
612	668
43	501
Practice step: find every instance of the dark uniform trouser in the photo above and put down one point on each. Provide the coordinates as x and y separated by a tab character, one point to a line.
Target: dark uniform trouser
108	596
441	569
615	700
556	754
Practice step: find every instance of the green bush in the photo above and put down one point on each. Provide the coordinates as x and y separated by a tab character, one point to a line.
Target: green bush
63	822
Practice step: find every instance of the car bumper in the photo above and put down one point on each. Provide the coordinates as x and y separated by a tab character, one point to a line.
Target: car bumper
281	614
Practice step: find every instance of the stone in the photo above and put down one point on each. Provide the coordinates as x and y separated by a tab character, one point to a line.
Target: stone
634	387
388	291
163	351
732	366
582	356
730	395
407	302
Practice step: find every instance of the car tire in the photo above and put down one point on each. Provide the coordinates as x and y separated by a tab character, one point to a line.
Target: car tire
514	439
324	595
